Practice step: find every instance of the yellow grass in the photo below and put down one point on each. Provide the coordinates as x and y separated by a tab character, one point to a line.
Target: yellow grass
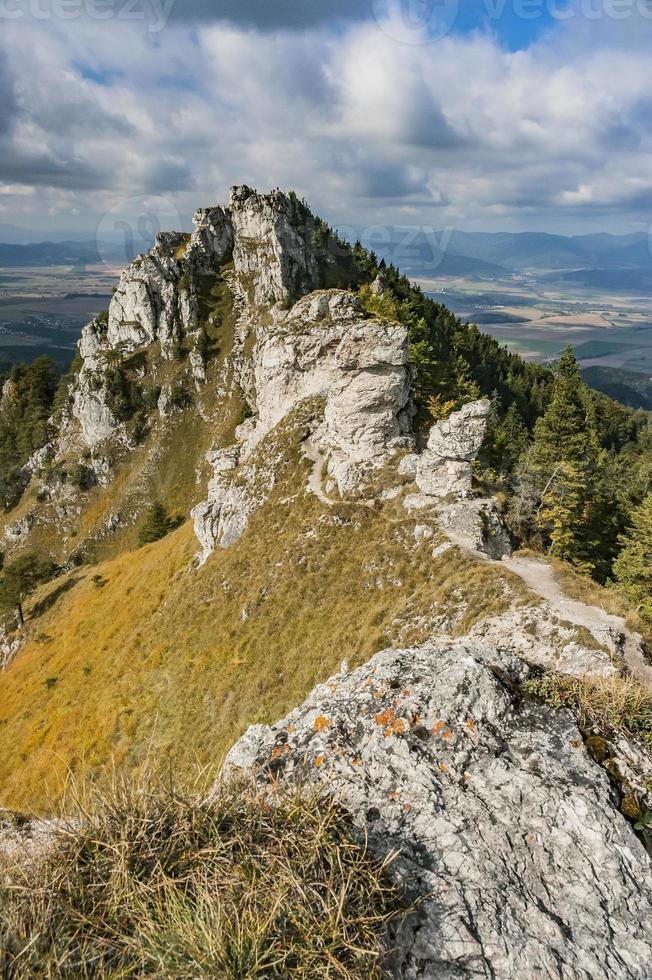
145	654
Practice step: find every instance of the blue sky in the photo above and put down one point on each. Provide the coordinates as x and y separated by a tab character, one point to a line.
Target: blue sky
472	114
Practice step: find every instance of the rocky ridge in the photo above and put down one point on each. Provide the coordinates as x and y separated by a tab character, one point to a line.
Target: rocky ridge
504	827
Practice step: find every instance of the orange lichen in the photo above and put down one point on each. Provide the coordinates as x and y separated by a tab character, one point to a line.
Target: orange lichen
391	724
319	761
447	735
356	761
397	727
437	727
385	717
321	723
471	725
443	767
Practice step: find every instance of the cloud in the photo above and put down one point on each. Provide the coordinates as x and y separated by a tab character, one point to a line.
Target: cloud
463	132
8	105
270	14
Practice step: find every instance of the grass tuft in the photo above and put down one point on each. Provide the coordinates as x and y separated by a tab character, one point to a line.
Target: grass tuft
149	881
603	705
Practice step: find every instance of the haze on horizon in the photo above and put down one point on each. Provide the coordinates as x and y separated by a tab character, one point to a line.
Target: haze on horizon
482	115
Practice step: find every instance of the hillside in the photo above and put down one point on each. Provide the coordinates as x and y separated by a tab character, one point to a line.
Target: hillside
276	474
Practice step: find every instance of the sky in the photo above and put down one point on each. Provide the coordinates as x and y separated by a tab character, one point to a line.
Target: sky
482	115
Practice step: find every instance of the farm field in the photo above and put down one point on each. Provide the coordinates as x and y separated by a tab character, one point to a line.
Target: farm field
43	310
537	319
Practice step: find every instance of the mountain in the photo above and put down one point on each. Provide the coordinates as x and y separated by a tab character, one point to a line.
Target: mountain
538	250
266	490
612	280
425	257
627	387
48	253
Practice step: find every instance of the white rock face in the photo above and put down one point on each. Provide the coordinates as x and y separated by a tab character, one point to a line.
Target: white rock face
503	823
476	525
444	468
325	348
270	255
223	516
328	348
211	241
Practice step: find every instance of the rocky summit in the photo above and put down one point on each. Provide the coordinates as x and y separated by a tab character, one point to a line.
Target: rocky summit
273	453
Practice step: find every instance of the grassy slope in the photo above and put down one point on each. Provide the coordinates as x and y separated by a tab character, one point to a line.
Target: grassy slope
168	465
159	657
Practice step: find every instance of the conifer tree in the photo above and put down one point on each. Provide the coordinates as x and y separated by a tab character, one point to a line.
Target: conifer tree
564	432
561	465
19	579
157	524
633	567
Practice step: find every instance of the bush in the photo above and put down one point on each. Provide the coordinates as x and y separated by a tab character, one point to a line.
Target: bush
151	882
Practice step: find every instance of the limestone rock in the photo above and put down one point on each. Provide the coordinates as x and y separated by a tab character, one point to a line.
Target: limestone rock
271	256
444	468
503	823
327	348
92	411
476	525
211	241
223	514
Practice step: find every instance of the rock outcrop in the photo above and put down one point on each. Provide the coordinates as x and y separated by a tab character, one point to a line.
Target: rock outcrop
272	253
504	826
325	348
444	468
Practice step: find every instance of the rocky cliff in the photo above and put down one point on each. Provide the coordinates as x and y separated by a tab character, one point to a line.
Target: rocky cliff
243	377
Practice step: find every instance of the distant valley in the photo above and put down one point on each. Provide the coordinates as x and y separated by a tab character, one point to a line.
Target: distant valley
534	292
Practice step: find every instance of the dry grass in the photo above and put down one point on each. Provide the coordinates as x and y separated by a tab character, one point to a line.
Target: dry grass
149	881
144	653
602	705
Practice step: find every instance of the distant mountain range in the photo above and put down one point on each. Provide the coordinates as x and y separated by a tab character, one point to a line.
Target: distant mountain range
614	262
48	253
537	250
462	253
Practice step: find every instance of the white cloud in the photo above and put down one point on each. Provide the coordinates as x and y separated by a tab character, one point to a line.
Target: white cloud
460	132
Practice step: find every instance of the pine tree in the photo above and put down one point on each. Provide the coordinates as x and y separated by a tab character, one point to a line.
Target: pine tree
564	432
562	513
633	567
19	579
157	524
561	465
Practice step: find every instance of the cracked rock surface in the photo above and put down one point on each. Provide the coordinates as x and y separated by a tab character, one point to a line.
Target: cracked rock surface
503	823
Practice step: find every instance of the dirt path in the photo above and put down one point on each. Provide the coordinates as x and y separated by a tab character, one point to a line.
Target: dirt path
315	480
540	578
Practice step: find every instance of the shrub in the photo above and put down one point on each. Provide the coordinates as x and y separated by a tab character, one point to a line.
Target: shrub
153	882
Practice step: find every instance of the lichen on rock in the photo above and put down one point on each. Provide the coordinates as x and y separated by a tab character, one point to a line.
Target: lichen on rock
505	827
